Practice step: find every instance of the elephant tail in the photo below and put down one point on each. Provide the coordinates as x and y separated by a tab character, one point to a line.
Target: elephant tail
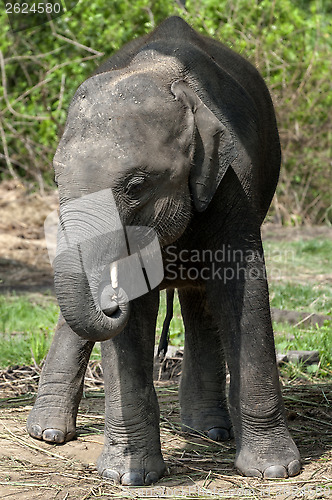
164	338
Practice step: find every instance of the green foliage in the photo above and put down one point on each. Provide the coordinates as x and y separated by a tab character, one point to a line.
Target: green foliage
290	42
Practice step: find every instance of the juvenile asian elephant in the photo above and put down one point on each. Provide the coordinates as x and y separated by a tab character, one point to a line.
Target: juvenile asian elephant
179	133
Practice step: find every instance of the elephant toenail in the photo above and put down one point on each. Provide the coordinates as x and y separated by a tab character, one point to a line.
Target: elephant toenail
151	478
53	436
36	431
275	471
71	435
253	473
294	468
111	474
132	479
218	434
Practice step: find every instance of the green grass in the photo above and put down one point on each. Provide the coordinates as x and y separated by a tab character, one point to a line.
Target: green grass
300	297
301	261
26	325
290	338
22	313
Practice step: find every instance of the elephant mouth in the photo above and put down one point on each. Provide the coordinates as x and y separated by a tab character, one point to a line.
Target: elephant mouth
111	295
112	302
132	275
109	302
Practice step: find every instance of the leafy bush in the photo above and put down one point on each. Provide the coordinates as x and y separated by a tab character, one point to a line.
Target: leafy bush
289	42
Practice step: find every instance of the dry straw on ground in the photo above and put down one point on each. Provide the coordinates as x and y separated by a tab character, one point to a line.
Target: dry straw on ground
197	466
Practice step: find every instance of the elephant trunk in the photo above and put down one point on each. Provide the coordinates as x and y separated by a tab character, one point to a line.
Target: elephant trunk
90	240
93	316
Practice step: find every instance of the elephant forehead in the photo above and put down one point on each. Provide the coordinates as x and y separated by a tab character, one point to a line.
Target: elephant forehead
120	126
104	104
120	154
131	131
134	118
143	127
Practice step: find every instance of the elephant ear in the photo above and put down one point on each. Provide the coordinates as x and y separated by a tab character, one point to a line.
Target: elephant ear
214	147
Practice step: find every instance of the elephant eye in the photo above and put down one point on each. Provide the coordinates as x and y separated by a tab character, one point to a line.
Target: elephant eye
134	186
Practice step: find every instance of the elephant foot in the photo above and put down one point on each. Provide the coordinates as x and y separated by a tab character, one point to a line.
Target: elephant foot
277	457
51	424
135	469
215	423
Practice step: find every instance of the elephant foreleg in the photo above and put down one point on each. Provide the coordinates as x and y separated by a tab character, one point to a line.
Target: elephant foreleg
132	454
203	383
53	417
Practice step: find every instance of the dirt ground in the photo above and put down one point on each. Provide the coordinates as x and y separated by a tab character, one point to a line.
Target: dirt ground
24	262
197	467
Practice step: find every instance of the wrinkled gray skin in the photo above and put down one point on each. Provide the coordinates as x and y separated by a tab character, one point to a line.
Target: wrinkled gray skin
183	131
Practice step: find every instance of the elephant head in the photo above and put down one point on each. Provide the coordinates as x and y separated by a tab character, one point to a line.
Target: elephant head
136	151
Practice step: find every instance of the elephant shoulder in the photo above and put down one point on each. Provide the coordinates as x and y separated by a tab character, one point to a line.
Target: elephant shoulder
172	28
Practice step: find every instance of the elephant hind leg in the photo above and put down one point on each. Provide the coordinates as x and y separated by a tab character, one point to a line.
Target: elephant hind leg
241	306
203	383
53	417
